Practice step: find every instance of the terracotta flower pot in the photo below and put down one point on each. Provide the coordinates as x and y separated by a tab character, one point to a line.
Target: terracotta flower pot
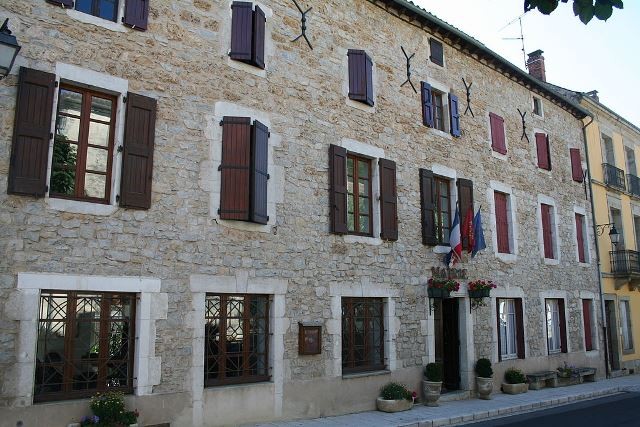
431	391
484	387
515	388
393	405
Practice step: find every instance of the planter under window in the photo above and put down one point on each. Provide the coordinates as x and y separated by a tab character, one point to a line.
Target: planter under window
479	293
439	293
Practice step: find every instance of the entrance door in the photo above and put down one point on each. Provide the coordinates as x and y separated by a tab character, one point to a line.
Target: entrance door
447	341
612	335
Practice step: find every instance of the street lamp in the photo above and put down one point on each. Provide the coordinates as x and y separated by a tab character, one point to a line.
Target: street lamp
613	232
9	49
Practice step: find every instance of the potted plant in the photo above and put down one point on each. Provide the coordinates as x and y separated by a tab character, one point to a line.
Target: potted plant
568	375
394	397
478	290
432	383
484	378
515	382
441	288
109	410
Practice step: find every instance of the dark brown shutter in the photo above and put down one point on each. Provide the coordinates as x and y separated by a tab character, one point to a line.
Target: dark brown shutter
235	168
368	73
437	52
360	76
576	165
31	132
465	199
428	207
137	158
497	134
388	200
136	14
63	3
241	30
338	189
427	104
563	326
257	51
542	147
546	230
580	237
454	115
259	172
502	222
519	328
586	315
499	329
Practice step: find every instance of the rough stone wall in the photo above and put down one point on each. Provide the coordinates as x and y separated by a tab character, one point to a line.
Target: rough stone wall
181	60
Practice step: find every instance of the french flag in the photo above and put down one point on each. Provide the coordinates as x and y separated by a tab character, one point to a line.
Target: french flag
455	241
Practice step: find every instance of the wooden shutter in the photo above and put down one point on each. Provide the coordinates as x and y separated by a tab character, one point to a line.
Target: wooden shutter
427	104
454	115
497	134
136	14
580	237
428	207
502	222
563	325
465	199
360	76
576	165
368	72
586	315
542	147
63	3
547	234
137	157
235	168
259	172
31	133
338	189
388	200
241	30
499	329
257	51
437	52
519	328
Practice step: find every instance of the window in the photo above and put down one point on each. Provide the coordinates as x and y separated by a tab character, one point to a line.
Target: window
537	106
589	327
502	222
244	170
236	339
581	242
543	151
362	335
631	160
83	145
556	328
360	77
608	156
625	322
576	165
437	52
443	209
438	116
85	344
106	9
498	143
616	219
359	206
437	108
510	328
548	234
636	224
136	12
247	33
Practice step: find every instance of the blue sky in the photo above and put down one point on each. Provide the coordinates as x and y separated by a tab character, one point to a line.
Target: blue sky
602	56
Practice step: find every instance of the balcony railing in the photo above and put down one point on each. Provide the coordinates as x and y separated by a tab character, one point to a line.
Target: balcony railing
633	184
625	263
613	176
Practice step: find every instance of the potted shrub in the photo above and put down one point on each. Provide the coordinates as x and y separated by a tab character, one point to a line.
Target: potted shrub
568	375
484	378
441	288
432	383
109	410
515	382
394	397
478	290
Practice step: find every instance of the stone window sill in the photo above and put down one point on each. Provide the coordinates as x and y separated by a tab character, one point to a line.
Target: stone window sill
366	374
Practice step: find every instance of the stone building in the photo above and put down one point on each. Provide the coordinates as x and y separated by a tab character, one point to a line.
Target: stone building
230	226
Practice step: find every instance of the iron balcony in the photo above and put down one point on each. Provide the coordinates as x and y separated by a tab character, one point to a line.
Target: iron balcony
613	176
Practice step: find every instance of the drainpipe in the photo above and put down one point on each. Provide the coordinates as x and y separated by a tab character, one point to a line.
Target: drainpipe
598	261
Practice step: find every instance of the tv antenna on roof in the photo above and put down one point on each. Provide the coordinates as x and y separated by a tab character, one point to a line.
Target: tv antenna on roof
521	38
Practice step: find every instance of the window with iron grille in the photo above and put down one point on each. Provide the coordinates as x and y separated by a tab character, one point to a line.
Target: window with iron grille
362	335
236	339
106	9
85	344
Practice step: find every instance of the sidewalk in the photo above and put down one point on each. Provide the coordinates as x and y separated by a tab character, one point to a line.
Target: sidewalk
464	411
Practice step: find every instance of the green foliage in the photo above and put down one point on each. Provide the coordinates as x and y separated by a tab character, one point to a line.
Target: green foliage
433	372
109	410
63	174
395	391
514	376
583	9
483	368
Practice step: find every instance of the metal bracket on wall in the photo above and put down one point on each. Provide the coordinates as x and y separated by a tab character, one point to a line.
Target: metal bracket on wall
303	25
524	125
408	69
468	89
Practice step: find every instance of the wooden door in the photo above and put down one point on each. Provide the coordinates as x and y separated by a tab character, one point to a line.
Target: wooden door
450	344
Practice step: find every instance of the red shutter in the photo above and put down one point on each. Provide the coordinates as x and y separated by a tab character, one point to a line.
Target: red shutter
586	315
547	234
576	165
338	189
137	157
499	329
259	172
360	77
519	328
235	168
428	207
241	30
257	51
427	104
31	132
502	223
497	134
136	14
580	237
388	200
454	115
542	147
63	3
563	326
465	201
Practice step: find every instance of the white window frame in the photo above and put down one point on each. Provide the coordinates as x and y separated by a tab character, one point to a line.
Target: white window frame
533	105
626	325
510	330
555	237
511	218
554	342
107	24
586	237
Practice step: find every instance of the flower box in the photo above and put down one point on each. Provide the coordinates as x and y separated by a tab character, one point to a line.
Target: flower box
515	388
439	293
393	405
479	293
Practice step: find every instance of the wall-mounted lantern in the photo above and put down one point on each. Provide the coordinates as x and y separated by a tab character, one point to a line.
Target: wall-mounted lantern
9	49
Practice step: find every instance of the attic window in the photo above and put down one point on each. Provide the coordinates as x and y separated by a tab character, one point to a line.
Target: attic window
437	52
537	106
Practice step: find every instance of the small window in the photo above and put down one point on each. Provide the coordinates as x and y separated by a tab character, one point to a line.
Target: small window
105	9
362	335
625	322
359	200
503	222
548	230
511	328
589	327
437	52
630	154
581	241
438	110
247	33
608	155
443	209
537	106
360	77
556	332
616	218
236	339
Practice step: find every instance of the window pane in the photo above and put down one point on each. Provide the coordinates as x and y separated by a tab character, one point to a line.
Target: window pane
70	102
95	185
67	128
350	167
364	205
99	134
364	224
363	187
97	159
63	170
363	169
101	109
84	5
107	9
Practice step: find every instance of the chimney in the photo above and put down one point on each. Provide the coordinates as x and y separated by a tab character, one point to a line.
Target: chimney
535	64
593	95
